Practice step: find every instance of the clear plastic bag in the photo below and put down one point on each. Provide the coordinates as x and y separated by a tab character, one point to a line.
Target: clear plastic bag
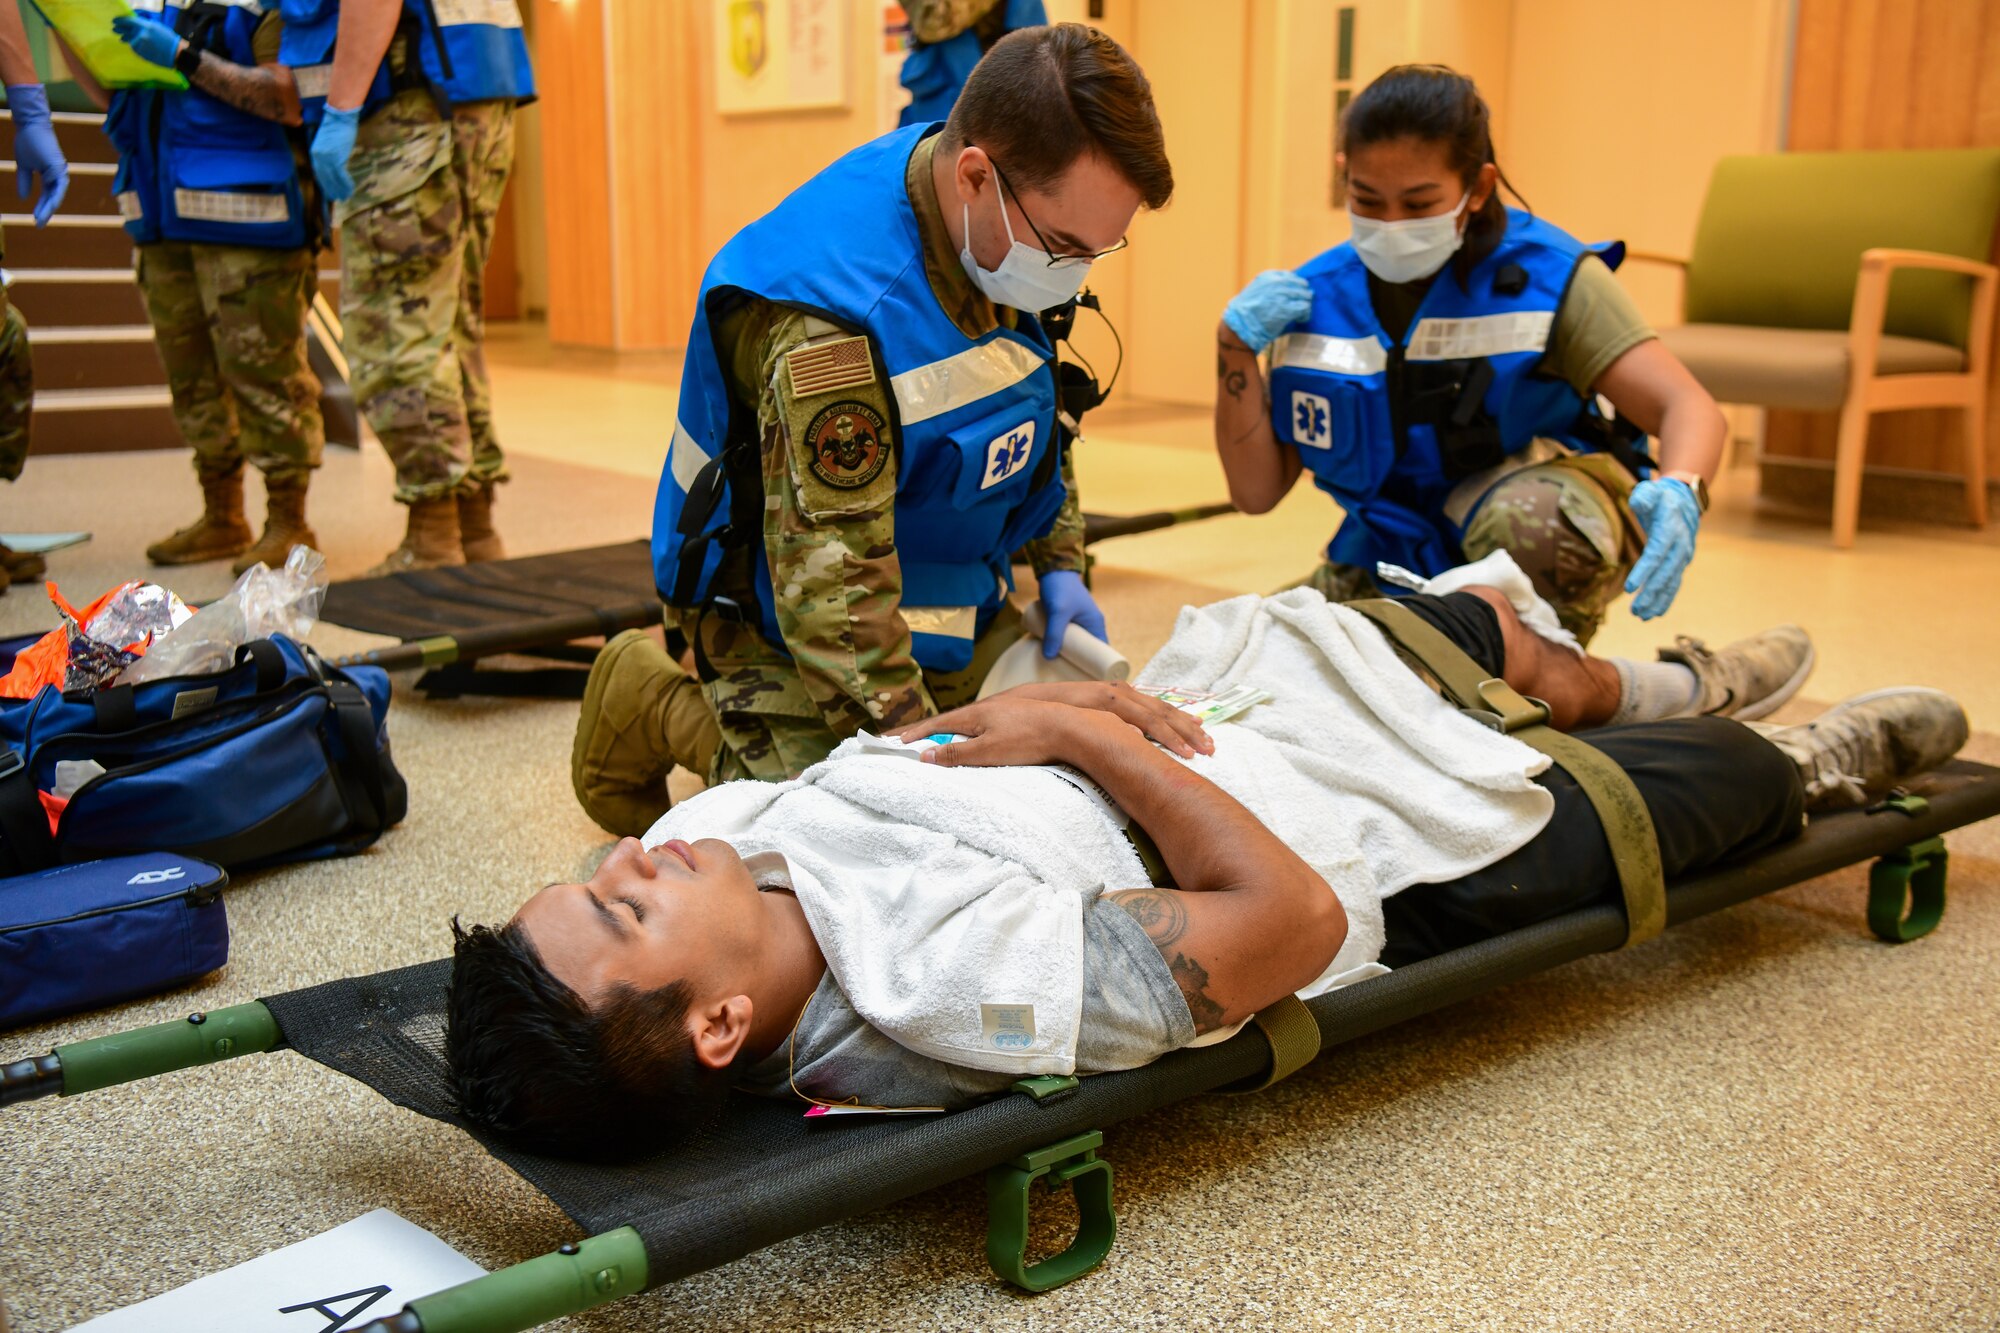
264	602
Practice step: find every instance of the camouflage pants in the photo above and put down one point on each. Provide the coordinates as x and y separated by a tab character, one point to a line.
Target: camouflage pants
230	323
414	239
1567	524
755	719
17	391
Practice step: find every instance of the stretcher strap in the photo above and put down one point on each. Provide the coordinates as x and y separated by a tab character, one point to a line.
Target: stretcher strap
1628	825
1294	1036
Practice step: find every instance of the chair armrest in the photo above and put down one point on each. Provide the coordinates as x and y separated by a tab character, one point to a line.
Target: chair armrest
1871	305
1655	257
1883	260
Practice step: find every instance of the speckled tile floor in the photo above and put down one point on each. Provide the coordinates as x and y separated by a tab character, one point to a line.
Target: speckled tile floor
1763	1120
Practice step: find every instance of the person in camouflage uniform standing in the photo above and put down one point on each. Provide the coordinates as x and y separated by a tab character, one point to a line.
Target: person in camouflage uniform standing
37	156
418	180
847	468
227	276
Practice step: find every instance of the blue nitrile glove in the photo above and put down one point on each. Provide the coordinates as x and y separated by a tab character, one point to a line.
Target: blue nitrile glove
1065	599
1670	514
1275	299
331	148
149	41
36	152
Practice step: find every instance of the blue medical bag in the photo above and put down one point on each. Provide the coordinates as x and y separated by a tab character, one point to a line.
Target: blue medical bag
83	936
279	758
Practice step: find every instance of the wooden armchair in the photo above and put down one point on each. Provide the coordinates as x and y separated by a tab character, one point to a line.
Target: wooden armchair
1789	304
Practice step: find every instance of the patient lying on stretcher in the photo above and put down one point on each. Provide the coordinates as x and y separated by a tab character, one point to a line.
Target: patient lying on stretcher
1087	879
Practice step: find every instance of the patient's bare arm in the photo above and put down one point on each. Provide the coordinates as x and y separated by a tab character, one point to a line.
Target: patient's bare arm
1249	923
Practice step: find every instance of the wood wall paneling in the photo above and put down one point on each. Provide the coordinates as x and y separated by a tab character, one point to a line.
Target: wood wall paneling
654	109
1894	74
576	198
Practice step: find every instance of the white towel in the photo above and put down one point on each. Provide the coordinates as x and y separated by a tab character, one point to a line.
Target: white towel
948	900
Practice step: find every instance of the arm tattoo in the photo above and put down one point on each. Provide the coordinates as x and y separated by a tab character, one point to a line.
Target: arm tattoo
1159	912
246	89
1236	382
1163	916
1192	978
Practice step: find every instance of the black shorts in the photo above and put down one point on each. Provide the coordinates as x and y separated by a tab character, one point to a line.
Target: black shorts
1716	791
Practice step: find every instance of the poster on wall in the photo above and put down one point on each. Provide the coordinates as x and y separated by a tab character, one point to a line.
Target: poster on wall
890	94
780	55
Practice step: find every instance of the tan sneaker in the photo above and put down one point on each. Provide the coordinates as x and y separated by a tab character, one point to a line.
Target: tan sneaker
220	531
1861	747
620	760
430	542
1751	678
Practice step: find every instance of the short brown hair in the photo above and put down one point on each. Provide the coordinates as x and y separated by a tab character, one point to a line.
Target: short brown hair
1043	97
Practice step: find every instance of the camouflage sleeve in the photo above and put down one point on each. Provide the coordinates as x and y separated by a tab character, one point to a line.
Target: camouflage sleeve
1063	547
830	525
933	21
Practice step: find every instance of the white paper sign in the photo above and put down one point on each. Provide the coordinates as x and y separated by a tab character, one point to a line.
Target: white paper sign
338	1280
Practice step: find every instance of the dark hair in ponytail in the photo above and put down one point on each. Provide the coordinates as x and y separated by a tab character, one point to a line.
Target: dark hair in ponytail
1435	104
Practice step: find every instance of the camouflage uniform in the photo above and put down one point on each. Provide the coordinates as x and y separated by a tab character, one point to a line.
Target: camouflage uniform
832	555
1567	523
415	236
230	323
17	387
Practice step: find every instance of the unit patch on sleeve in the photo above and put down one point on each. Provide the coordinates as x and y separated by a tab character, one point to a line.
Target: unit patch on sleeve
847	444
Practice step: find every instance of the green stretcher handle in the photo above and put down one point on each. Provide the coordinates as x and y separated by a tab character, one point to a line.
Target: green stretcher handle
198	1039
1914	875
577	1277
1073	1162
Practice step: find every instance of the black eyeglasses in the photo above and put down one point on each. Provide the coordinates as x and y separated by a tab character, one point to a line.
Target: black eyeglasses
1055	260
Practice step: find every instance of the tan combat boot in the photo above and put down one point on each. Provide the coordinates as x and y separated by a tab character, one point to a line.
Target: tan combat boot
630	734
220	531
431	542
475	526
20	566
285	524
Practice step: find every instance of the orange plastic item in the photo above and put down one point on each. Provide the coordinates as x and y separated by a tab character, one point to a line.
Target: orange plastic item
47	660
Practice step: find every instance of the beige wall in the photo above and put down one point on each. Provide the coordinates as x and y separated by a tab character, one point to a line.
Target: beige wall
1616	114
1610	116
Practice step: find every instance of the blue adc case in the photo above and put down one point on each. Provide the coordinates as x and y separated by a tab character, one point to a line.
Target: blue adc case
84	936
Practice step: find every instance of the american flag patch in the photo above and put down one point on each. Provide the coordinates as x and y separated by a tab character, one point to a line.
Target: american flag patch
825	367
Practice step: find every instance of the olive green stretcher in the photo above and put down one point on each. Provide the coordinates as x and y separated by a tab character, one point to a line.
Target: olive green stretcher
760	1174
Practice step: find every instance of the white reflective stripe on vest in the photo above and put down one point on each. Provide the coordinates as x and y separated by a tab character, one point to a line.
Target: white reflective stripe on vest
312	79
495	13
686	458
220	206
966	377
1317	351
129	205
945	622
1480	335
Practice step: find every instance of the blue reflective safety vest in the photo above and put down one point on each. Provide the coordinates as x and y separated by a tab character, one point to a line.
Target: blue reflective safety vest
977	447
935	72
1388	430
468	51
193	168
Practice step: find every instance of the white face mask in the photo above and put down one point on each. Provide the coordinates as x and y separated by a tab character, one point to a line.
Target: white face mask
1411	249
1025	280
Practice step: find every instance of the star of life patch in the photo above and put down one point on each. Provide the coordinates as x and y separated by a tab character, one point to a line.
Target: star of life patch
827	367
847	445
